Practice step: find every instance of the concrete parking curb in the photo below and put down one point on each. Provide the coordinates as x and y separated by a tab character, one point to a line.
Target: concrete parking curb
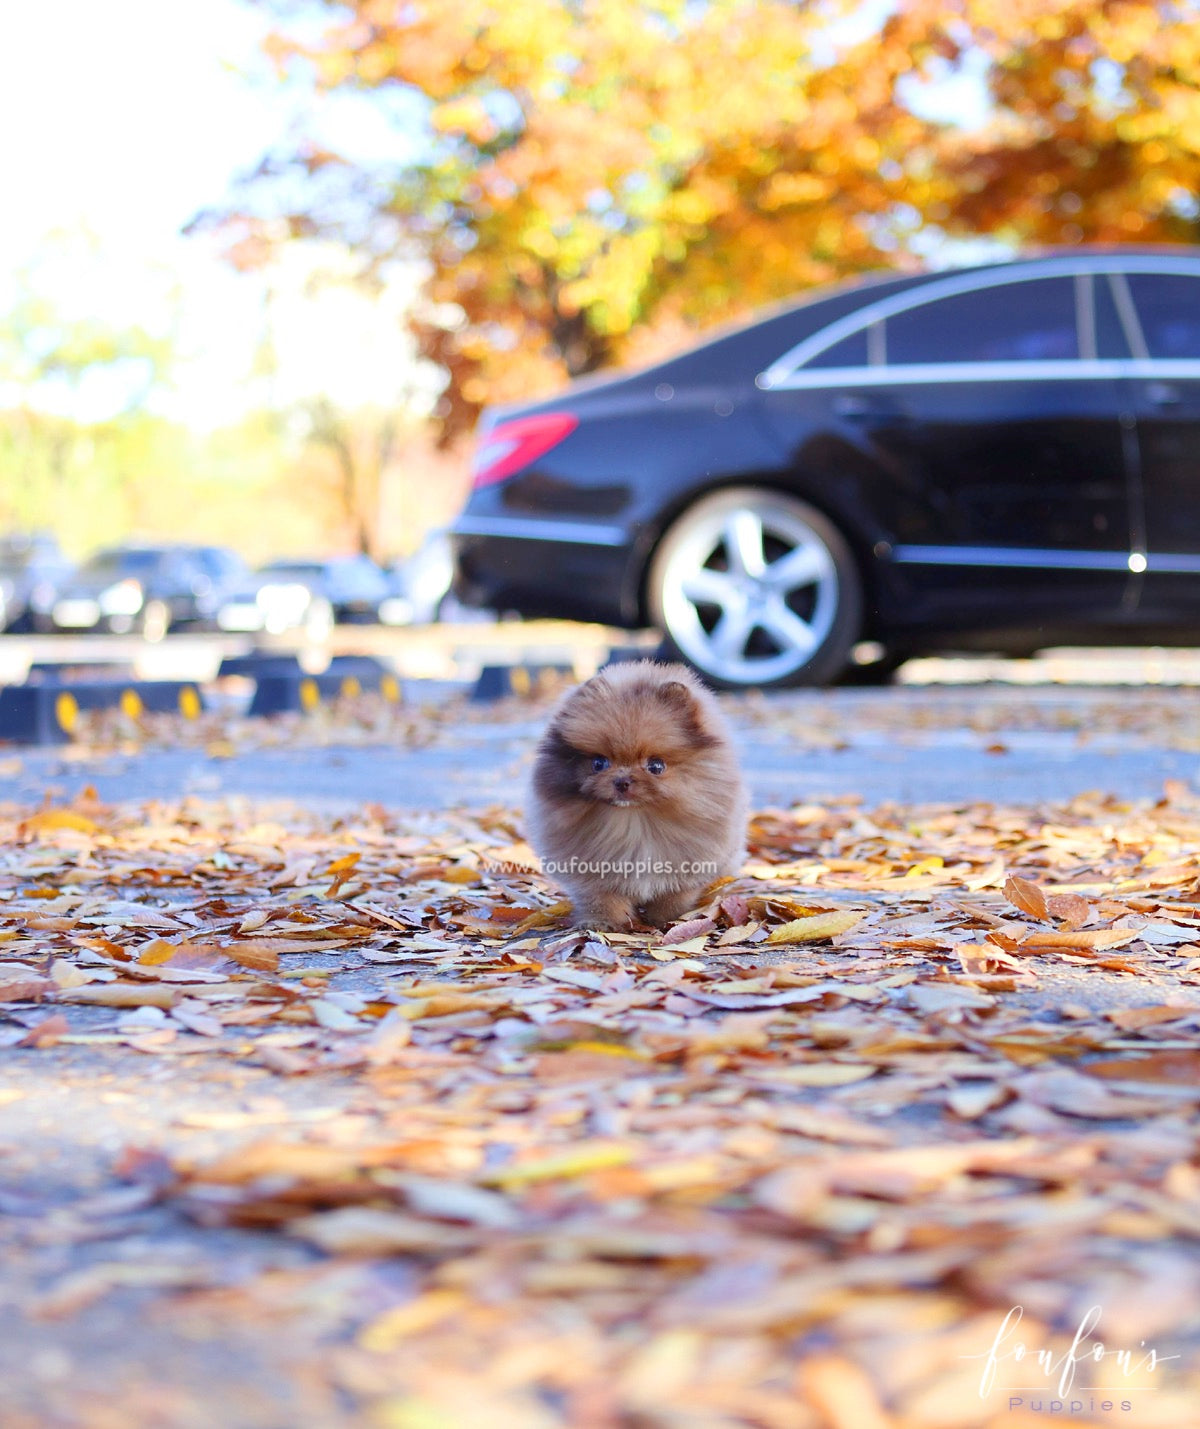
48	713
298	692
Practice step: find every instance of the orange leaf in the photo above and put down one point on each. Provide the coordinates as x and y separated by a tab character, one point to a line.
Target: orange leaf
50	820
1026	896
1180	1068
1083	938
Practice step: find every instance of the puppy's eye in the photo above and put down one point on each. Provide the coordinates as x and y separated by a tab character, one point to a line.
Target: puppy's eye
655	765
599	763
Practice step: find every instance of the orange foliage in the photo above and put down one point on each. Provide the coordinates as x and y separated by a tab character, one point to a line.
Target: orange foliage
589	171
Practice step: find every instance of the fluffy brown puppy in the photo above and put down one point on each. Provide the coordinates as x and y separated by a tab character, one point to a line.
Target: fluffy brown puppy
637	802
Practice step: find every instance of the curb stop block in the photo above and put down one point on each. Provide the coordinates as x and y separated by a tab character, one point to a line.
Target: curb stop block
49	713
495	682
285	694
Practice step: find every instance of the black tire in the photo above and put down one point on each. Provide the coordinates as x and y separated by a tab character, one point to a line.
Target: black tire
756	589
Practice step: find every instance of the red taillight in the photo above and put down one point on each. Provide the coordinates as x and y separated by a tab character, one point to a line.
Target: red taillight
512	445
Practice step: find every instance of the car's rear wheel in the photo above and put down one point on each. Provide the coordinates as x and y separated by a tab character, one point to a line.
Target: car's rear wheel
755	588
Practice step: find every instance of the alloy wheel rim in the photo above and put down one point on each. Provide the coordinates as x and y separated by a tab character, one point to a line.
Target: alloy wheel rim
750	594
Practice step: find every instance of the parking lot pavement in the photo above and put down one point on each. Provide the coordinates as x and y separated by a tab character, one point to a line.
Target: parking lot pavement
905	744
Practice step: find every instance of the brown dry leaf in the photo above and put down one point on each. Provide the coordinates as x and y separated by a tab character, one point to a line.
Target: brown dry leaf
46	1033
1174	1068
947	997
1097	939
259	954
1075	1094
820	1074
1133	1019
382	1334
1069	909
685	932
124	994
842	1393
21	984
828	1125
1026	896
366	1230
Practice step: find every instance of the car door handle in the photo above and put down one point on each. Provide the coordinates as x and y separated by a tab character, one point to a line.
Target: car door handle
1162	394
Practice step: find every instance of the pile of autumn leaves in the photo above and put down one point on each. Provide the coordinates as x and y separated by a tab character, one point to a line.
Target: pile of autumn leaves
789	1163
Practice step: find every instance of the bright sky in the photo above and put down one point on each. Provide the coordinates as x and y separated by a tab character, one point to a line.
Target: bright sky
126	117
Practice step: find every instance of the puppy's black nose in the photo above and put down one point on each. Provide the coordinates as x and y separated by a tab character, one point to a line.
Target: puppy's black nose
622	785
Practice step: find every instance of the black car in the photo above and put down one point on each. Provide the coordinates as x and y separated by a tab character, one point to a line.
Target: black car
148	589
307	595
1003	458
31	569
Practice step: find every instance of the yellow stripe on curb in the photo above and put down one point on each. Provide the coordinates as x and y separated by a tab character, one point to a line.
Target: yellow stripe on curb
66	711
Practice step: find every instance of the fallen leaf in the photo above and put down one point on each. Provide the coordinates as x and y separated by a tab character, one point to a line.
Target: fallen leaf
1026	896
818	928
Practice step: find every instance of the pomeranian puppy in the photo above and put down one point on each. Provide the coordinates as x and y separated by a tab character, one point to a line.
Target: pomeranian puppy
637	802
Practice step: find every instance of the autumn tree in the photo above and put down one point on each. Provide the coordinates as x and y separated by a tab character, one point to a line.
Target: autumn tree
1093	125
578	173
582	169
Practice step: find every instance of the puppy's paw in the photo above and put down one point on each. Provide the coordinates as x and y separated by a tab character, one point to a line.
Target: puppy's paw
669	907
605	913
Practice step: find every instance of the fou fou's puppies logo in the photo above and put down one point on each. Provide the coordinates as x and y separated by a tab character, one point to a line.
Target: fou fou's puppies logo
1046	1381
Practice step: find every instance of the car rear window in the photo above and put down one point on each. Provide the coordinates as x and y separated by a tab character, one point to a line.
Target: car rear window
1031	321
1168	308
124	563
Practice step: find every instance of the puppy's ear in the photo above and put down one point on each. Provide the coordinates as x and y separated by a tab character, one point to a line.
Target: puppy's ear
687	710
675	694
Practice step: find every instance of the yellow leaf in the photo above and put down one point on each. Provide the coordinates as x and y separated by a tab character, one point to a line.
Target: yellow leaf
614	1049
387	1330
933	864
578	1161
689	945
344	865
815	929
158	952
48	820
821	1074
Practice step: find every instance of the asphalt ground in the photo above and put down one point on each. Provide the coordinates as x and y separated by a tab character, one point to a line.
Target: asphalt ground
910	743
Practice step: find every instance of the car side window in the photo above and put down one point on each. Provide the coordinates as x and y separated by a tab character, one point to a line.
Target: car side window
1168	308
1033	321
1111	339
850	352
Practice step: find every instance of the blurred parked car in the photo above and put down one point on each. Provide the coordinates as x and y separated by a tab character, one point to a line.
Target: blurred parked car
309	595
1001	458
148	589
420	587
31	568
